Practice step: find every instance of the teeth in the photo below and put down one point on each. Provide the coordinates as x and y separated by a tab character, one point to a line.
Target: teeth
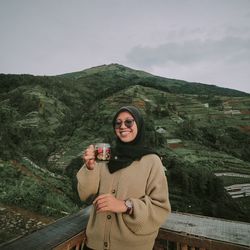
124	133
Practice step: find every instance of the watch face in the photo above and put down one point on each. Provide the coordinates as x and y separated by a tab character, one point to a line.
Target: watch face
129	204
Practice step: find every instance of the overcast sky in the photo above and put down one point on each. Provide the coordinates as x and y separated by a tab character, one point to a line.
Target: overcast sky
205	41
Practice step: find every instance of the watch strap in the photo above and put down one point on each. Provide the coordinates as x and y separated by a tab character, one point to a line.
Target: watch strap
129	205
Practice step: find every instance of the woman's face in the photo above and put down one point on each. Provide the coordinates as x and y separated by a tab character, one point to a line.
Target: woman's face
125	127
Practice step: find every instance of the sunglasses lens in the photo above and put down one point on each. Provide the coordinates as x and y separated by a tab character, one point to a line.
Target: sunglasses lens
128	123
118	124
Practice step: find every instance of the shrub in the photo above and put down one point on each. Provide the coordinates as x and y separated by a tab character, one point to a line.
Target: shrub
26	194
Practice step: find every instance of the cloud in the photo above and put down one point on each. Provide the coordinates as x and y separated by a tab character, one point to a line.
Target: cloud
228	49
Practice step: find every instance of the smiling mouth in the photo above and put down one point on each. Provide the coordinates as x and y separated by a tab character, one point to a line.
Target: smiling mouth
124	133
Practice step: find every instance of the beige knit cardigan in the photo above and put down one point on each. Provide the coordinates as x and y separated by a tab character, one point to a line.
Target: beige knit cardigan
145	184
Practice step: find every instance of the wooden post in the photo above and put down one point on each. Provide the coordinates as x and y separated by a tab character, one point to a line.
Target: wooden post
178	246
184	247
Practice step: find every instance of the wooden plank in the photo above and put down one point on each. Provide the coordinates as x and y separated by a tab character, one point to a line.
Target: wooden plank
234	232
196	241
76	241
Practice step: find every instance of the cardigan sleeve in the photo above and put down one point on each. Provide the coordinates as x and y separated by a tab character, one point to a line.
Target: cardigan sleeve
88	182
151	210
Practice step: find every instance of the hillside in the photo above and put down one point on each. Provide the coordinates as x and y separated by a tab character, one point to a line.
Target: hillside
202	132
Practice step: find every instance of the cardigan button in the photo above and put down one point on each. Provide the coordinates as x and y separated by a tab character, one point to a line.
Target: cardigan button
113	191
105	244
109	217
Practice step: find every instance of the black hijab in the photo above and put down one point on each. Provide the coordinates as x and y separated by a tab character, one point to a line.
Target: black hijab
124	153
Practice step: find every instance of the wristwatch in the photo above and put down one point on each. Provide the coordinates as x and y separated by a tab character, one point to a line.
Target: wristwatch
129	205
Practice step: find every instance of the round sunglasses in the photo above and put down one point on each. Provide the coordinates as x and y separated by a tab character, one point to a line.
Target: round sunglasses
128	123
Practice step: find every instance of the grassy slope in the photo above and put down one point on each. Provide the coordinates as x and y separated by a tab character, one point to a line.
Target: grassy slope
51	119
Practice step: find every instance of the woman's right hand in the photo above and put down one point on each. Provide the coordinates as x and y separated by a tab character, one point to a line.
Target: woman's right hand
89	157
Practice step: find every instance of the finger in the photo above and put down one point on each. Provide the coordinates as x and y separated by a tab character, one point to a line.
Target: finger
92	161
100	197
89	154
90	164
89	157
101	205
89	150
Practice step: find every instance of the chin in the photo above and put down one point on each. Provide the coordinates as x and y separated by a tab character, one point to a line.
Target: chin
126	139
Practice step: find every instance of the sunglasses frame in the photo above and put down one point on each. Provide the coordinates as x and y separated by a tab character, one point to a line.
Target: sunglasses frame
128	123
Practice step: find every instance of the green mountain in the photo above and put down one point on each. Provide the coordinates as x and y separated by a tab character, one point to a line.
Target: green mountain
201	131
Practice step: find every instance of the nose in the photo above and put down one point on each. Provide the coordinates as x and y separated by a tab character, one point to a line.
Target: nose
123	125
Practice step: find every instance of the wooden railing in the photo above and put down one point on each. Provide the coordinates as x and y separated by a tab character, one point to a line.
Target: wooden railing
179	232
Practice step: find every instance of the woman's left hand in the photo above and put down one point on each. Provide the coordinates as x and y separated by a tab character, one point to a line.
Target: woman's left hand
107	202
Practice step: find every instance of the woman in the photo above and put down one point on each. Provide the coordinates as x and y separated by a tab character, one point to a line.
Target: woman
131	193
